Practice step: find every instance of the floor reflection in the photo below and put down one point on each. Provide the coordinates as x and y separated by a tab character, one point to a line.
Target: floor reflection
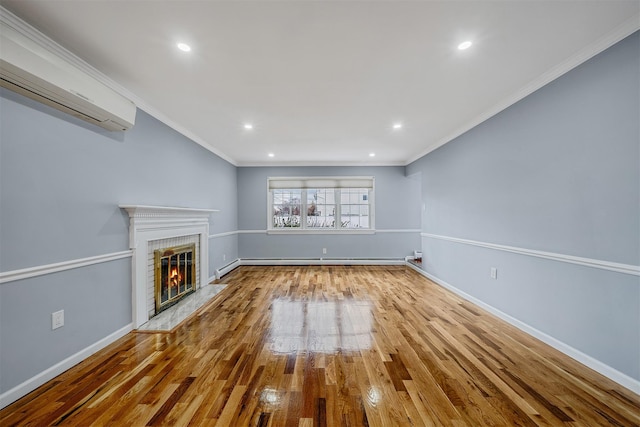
270	398
320	326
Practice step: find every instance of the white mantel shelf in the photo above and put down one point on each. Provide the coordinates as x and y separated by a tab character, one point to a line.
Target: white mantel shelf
147	218
149	223
165	211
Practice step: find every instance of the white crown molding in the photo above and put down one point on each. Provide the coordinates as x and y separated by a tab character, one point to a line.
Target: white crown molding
623	30
272	163
8	18
41	270
633	270
598	366
163	118
626	28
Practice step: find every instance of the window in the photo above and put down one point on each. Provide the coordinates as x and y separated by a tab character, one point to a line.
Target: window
287	206
321	204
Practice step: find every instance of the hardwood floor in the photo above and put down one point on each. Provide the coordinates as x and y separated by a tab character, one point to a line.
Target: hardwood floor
315	346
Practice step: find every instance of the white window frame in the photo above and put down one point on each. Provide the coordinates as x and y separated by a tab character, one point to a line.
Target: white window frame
318	182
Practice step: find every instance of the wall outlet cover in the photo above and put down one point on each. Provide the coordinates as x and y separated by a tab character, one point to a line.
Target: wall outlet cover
57	319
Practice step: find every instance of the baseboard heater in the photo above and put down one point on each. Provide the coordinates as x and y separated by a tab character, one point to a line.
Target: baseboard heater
227	268
306	261
322	261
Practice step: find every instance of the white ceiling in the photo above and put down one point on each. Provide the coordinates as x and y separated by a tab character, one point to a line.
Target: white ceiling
322	82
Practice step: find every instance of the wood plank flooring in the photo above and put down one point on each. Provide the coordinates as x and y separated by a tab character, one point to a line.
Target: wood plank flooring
330	346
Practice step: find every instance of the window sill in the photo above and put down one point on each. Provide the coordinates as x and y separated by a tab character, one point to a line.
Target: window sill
308	231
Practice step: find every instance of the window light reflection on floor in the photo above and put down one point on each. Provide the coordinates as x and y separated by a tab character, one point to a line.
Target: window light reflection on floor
320	326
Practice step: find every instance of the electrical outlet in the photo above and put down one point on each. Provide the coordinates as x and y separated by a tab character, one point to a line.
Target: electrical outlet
494	273
324	251
224	257
57	319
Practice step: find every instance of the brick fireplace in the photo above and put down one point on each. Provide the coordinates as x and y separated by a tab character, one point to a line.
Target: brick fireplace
157	231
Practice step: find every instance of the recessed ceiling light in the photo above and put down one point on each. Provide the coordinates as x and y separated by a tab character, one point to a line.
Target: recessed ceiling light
248	126
184	47
397	125
372	154
271	155
465	45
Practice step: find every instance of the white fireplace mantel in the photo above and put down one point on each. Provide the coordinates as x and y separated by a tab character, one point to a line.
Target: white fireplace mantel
147	223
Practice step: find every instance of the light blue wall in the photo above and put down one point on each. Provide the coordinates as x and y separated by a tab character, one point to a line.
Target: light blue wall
397	207
61	181
558	172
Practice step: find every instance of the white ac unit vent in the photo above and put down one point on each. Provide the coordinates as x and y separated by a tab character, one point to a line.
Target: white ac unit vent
30	69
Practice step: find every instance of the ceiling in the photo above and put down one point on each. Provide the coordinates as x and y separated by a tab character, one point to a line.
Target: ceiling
323	82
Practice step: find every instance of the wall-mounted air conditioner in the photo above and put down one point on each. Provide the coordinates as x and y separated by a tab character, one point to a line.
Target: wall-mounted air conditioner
32	70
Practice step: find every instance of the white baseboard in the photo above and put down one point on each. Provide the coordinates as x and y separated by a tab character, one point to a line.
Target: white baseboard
598	366
32	383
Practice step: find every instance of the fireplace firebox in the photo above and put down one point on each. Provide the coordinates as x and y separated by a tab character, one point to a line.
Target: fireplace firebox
174	274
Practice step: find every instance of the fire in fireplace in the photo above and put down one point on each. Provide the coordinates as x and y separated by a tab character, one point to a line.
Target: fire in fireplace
175	274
